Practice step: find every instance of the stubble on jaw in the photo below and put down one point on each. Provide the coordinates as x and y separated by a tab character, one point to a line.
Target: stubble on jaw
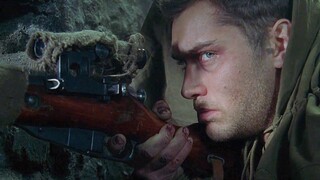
254	106
250	107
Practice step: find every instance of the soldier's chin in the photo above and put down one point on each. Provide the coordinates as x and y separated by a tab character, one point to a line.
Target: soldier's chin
217	133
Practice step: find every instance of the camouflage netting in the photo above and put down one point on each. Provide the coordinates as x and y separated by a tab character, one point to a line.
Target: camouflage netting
23	156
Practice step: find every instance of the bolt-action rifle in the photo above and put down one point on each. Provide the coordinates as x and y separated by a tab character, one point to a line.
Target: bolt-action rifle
79	110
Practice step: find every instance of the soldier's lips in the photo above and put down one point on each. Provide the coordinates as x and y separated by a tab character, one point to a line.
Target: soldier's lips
207	115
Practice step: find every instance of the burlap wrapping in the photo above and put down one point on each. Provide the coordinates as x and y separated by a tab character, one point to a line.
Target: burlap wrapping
56	43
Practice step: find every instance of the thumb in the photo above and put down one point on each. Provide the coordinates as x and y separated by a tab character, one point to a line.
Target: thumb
162	110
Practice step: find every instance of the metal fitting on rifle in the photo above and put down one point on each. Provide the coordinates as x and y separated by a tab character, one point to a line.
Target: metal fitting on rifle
32	101
140	94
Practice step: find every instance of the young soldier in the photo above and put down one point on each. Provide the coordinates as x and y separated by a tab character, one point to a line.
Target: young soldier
247	81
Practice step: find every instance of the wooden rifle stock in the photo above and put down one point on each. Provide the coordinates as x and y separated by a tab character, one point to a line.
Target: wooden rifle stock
127	116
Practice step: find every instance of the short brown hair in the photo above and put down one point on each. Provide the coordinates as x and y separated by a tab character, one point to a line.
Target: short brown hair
253	17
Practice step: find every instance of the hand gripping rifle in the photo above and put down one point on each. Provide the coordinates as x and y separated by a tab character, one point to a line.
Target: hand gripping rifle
88	99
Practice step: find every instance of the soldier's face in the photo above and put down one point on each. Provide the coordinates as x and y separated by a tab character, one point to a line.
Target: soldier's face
232	89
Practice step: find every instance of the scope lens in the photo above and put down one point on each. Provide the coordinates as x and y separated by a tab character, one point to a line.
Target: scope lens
38	48
102	51
142	58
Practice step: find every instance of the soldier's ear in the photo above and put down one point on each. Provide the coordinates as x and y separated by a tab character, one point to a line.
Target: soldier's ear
280	34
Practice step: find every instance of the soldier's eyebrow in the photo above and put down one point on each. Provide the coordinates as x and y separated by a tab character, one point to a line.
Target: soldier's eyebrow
176	53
